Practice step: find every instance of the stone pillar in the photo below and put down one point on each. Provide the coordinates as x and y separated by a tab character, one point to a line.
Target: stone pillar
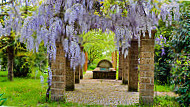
125	69
70	77
120	64
58	68
146	84
81	68
77	75
81	72
133	66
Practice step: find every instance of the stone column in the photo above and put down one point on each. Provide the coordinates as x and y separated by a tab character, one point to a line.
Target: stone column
58	68
133	66
70	77
146	85
81	68
81	72
120	64
125	69
77	75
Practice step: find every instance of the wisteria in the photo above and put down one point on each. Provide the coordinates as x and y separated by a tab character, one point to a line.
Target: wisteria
64	20
161	41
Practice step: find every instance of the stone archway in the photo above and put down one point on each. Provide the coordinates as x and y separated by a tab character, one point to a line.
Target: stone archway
62	80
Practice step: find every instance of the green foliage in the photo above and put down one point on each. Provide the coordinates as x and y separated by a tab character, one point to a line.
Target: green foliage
92	67
162	62
181	65
181	79
180	39
162	65
174	65
26	62
163	88
165	101
2	100
98	45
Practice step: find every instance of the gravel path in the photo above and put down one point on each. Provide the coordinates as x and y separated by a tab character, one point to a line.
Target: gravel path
102	92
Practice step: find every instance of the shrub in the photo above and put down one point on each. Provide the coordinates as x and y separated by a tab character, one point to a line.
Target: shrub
162	65
181	75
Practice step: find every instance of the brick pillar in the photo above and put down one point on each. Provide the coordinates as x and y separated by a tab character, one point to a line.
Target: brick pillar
70	77
77	75
125	69
58	68
146	86
81	72
120	64
133	67
81	68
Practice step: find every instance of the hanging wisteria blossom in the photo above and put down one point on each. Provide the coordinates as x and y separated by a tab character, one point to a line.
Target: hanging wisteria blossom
65	20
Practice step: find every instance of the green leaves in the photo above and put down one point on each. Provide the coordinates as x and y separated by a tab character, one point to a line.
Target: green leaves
96	43
2	100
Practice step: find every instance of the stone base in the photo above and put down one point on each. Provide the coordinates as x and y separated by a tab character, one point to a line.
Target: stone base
57	98
104	74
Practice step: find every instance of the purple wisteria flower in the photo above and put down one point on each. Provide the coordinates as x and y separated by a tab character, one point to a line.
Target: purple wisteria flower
163	52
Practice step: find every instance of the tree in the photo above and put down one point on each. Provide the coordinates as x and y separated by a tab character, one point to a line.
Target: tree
96	42
8	36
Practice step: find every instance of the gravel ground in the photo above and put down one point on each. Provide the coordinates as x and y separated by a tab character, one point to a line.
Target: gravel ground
103	92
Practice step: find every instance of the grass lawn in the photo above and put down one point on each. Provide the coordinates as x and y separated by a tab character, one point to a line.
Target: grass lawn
30	92
163	88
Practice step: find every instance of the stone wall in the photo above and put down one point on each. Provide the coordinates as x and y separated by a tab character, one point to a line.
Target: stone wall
146	85
58	68
133	66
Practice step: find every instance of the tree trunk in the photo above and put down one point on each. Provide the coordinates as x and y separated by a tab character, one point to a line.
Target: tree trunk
10	52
